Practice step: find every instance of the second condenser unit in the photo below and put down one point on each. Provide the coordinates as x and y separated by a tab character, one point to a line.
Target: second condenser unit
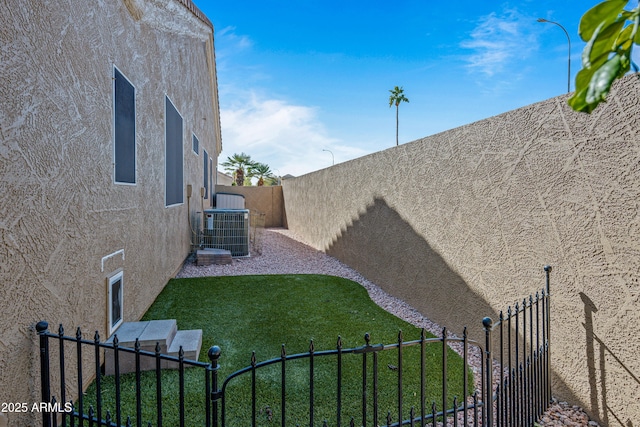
227	229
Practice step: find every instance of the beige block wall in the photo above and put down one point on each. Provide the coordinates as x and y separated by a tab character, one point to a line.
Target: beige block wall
460	225
60	211
265	199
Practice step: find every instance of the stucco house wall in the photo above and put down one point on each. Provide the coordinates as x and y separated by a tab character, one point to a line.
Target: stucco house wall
65	225
460	225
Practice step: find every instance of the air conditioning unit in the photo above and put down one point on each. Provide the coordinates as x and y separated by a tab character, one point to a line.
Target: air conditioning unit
227	229
229	201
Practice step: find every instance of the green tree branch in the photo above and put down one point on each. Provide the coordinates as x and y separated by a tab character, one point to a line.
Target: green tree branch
611	31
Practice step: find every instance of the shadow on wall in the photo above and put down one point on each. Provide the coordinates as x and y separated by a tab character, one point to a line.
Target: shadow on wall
401	262
386	249
598	365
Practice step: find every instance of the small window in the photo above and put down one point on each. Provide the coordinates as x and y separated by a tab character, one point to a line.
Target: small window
206	173
196	145
173	156
124	132
115	301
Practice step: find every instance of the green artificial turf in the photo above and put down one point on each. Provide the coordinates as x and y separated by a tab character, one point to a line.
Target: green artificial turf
246	314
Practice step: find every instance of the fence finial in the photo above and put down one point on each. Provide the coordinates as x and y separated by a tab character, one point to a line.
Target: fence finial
487	322
214	354
547	269
42	327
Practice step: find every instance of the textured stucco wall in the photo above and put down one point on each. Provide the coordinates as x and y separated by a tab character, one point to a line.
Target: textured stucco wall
60	211
461	223
265	199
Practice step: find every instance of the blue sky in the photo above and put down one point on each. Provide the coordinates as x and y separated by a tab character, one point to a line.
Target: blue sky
297	78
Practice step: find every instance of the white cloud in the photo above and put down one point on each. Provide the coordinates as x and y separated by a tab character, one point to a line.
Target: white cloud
289	138
500	41
232	41
272	130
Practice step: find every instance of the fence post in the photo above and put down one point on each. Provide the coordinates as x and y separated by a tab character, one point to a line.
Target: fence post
488	401
547	270
41	328
214	355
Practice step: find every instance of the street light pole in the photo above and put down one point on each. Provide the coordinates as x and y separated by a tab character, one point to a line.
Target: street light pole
569	60
332	158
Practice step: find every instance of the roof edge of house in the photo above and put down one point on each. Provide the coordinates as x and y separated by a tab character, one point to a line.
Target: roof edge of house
197	12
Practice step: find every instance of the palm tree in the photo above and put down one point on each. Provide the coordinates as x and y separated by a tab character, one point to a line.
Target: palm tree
237	165
396	97
261	171
273	180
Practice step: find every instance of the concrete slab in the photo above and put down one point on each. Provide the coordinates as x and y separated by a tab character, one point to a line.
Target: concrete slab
148	333
210	256
161	331
128	332
214	251
191	342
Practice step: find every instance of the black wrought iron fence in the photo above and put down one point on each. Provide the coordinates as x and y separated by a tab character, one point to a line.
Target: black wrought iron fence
469	406
511	387
518	345
87	357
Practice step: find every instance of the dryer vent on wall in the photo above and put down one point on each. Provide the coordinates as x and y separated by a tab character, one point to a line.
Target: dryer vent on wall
227	229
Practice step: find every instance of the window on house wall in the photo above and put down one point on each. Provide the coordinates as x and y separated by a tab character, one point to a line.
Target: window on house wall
196	145
115	291
124	124
173	155
205	155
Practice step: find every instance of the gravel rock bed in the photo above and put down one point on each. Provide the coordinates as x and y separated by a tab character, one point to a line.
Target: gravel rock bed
282	252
